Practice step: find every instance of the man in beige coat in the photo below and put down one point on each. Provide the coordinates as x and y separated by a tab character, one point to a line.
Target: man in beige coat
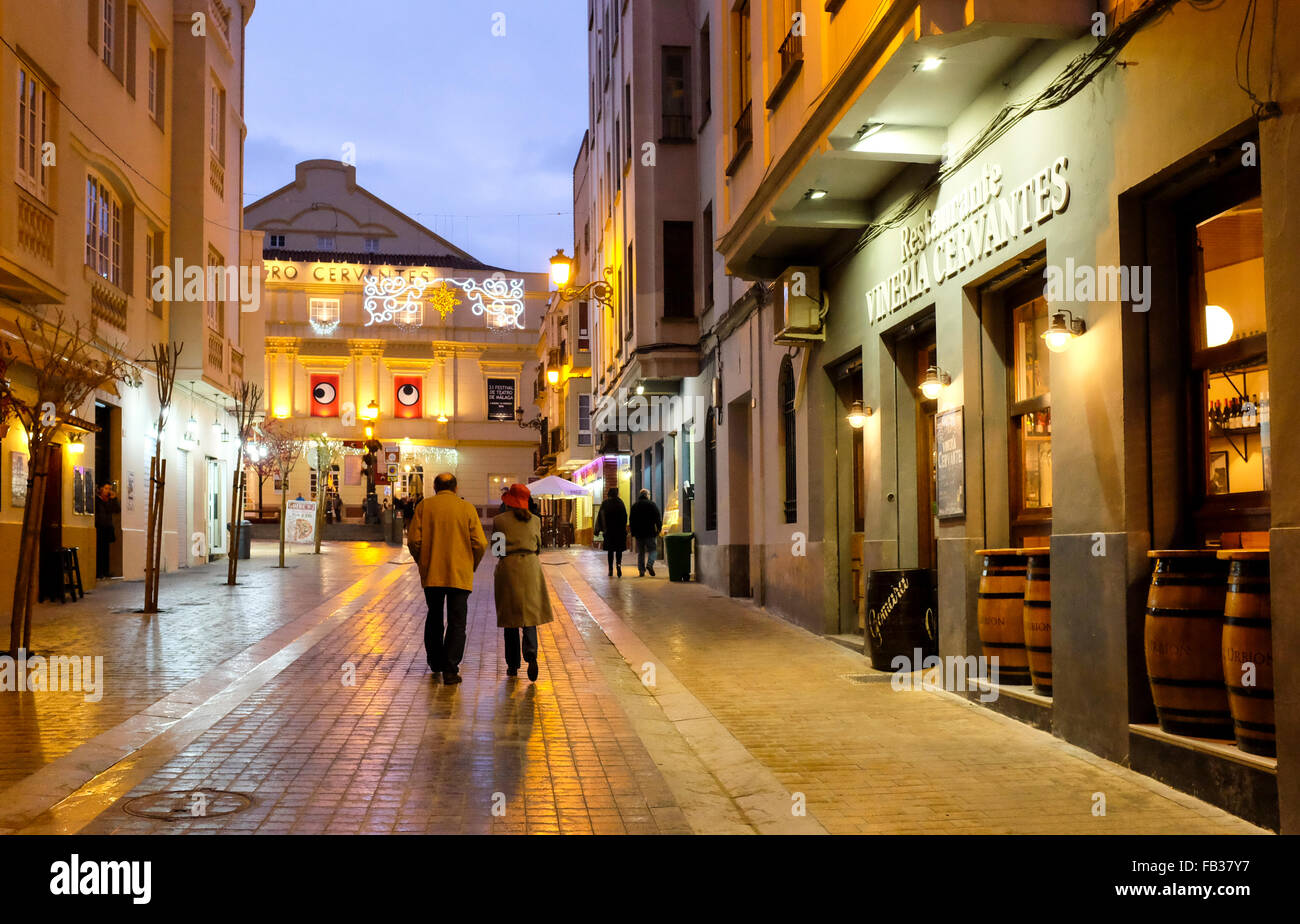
447	542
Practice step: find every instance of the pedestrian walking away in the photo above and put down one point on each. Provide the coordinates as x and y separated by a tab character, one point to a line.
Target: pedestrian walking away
646	522
523	601
447	542
611	525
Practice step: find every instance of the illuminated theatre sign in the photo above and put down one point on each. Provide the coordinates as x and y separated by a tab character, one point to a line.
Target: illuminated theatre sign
398	297
966	229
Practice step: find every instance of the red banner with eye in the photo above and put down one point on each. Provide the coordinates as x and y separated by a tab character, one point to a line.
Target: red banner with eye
324	396
408	396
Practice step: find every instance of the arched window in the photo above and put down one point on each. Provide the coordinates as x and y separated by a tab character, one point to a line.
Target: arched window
786	397
711	470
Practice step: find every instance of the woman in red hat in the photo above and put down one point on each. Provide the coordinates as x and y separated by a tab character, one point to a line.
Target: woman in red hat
523	601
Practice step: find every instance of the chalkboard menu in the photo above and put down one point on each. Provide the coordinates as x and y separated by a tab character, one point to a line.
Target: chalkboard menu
501	399
950	462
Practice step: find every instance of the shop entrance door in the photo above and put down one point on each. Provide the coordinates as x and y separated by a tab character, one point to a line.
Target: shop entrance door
851	493
50	574
215	509
915	352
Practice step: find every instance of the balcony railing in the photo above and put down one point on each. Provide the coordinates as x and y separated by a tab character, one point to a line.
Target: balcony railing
35	228
108	303
791	55
216	351
676	127
237	364
217	176
744	137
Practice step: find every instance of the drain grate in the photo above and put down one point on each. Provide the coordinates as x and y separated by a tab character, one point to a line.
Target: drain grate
187	804
867	678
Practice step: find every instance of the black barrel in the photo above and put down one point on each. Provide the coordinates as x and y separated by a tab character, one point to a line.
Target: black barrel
902	617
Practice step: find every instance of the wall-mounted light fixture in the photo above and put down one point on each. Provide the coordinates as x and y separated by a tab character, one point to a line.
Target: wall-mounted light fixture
1218	326
553	376
640	389
935	381
1062	330
929	64
75	446
371	411
815	194
281	412
858	415
442	418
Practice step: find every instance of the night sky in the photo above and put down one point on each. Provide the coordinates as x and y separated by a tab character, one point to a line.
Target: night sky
471	134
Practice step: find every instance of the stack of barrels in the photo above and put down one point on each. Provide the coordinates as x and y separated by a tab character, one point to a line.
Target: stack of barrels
1208	646
1015	616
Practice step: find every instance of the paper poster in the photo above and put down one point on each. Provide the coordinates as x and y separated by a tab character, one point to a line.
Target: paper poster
130	490
352	470
300	522
18	478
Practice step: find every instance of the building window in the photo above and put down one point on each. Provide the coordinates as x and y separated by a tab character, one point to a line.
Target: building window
706	226
103	230
33	132
740	29
325	242
584	420
629	291
157	82
1030	419
108	21
216	293
711	470
706	74
323	315
275	241
154	256
217	121
584	328
372	245
675	94
627	121
788	440
679	269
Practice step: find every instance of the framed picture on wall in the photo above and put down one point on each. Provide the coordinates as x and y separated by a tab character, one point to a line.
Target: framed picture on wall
18	478
1218	472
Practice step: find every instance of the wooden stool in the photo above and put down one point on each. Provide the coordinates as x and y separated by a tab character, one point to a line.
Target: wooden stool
71	575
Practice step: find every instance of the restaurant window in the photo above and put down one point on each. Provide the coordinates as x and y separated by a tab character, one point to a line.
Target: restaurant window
788	440
711	471
1030	418
103	230
1229	361
33	132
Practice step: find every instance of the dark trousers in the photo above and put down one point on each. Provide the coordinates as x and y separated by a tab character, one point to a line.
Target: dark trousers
615	557
103	549
445	647
646	548
512	646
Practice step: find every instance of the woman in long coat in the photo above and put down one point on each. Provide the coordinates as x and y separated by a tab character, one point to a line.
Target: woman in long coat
523	602
611	523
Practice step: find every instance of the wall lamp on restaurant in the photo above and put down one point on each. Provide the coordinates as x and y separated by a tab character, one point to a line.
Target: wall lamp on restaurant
858	415
537	423
1062	330
562	271
75	446
371	411
935	381
553	376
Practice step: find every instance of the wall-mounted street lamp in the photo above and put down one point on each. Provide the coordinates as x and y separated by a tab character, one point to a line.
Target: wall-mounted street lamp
75	446
371	411
858	415
442	418
935	381
553	376
1062	330
562	271
537	423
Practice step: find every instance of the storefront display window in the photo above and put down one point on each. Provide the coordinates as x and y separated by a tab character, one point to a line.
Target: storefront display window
1030	422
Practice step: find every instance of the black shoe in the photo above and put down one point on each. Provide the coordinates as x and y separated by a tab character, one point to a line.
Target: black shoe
641	574
651	569
450	677
512	672
611	572
620	570
532	670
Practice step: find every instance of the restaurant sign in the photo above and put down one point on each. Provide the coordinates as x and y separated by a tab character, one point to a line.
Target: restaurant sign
966	229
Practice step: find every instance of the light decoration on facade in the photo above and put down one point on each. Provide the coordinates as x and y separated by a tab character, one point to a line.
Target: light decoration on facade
324	315
399	300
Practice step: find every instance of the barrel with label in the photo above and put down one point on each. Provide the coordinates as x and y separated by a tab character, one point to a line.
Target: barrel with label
1248	650
1038	618
1000	614
1184	640
901	618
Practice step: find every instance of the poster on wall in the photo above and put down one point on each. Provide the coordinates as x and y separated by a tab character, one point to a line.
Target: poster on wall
300	522
408	396
352	470
18	478
324	396
130	490
950	463
501	399
79	491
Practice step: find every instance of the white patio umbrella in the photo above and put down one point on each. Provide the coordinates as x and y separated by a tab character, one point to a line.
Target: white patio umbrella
555	486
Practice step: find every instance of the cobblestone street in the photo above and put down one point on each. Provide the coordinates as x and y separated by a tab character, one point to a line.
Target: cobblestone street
660	708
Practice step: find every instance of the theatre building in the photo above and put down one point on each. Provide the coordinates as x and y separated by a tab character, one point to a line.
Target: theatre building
374	327
1025	283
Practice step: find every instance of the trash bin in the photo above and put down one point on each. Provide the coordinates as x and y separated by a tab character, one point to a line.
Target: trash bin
678	547
246	539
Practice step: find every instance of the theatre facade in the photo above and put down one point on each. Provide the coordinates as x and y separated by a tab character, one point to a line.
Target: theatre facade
397	337
1058	337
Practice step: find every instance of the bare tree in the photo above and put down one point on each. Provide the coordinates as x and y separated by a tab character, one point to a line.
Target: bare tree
284	444
263	464
323	453
65	370
248	402
165	359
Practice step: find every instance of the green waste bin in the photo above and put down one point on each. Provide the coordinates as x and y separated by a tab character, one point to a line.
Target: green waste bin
678	549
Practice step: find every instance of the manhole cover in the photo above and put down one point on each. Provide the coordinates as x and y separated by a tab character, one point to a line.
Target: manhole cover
183	805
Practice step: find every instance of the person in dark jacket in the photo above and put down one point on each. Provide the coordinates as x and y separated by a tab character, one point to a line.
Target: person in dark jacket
107	507
611	523
645	522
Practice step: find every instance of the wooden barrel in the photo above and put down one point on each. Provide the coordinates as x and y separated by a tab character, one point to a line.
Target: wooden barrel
1038	618
1184	638
1001	614
1248	650
901	617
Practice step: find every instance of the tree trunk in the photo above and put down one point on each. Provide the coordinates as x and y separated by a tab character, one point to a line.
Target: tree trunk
321	483
153	550
236	520
284	508
25	577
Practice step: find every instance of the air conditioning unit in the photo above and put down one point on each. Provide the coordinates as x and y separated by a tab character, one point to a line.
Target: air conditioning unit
800	314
